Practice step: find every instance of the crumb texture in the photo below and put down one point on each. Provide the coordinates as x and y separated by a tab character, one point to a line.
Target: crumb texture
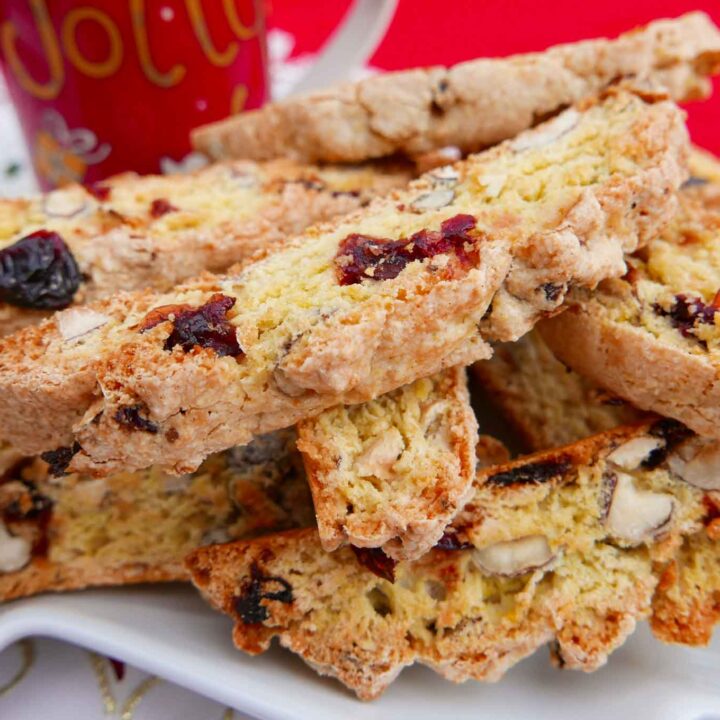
392	472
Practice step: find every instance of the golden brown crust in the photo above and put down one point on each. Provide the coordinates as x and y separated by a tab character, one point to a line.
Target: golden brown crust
546	403
537	555
686	605
391	473
310	343
635	365
471	105
219	216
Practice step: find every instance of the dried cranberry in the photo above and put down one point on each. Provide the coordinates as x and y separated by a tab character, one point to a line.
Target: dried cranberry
361	257
450	541
673	433
161	207
99	191
129	415
206	326
531	473
687	312
38	272
376	561
255	589
552	291
59	459
30	507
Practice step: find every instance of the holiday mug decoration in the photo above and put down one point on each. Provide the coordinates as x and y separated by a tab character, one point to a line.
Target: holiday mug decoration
104	86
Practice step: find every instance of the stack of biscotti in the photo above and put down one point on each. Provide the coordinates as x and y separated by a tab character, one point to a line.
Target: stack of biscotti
300	426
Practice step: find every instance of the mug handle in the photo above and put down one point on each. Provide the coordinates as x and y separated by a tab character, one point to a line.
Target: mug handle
352	43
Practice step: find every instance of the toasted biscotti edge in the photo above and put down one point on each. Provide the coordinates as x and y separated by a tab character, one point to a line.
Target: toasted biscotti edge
686	604
631	363
420	110
391	473
261	583
546	403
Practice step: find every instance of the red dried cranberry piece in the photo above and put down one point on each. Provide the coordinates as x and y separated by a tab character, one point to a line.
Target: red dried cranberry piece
32	506
99	191
362	257
376	561
531	473
59	459
450	541
129	415
260	587
687	312
38	272
161	207
206	326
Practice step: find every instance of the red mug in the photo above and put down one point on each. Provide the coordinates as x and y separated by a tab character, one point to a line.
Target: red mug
105	86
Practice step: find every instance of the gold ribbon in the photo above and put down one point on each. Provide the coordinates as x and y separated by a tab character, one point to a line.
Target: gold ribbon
27	651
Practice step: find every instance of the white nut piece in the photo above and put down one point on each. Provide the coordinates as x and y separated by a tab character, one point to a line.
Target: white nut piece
76	322
433	200
636	515
514	557
65	203
698	464
14	551
445	175
380	455
493	183
632	453
551	131
286	385
91	492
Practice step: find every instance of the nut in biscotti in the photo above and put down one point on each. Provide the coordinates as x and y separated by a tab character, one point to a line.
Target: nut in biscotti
429	288
534	556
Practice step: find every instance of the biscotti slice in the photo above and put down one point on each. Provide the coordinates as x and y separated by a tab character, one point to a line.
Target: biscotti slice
416	282
471	105
78	244
392	472
546	403
564	546
138	527
653	337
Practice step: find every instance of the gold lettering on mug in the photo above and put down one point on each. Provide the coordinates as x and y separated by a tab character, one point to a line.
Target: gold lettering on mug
163	79
241	30
8	36
238	99
92	68
197	18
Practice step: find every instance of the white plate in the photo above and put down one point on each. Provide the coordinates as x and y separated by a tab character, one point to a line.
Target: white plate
168	631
